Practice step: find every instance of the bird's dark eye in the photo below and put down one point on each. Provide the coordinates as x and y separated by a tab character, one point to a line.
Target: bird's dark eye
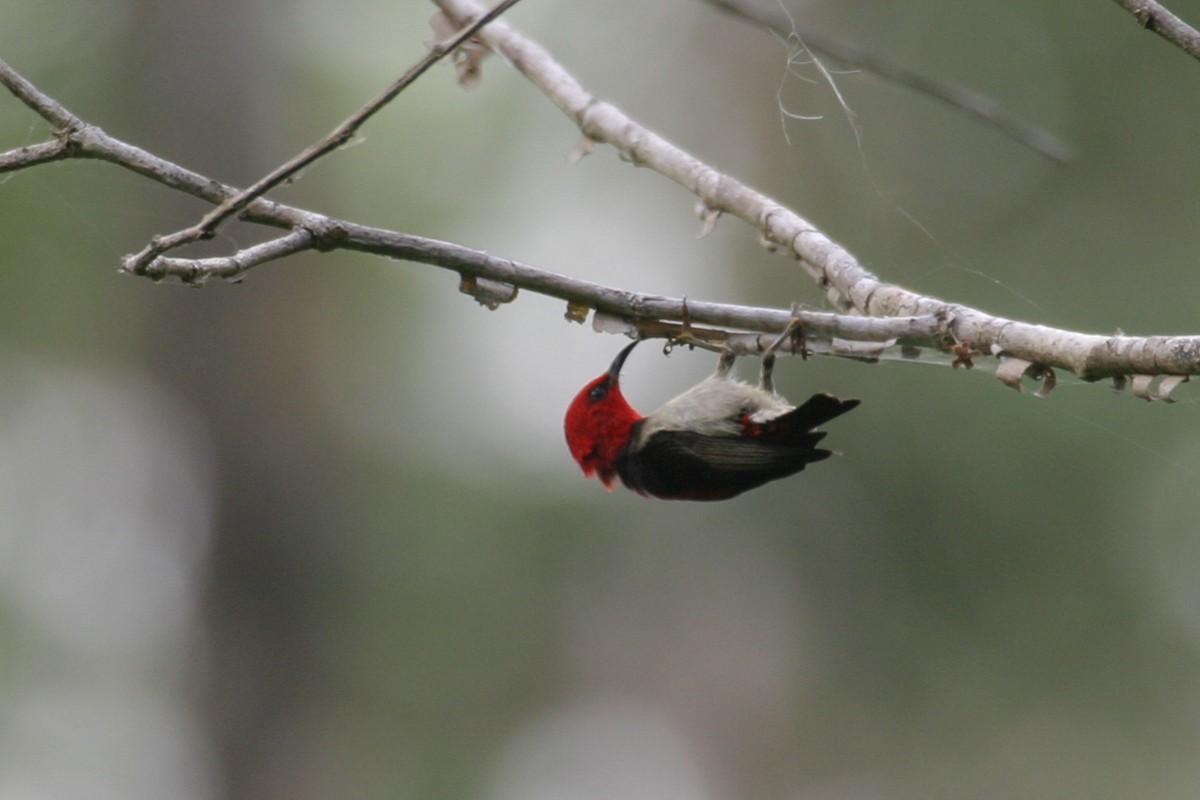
598	392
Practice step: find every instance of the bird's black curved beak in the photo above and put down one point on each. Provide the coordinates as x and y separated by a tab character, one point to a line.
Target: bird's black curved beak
614	372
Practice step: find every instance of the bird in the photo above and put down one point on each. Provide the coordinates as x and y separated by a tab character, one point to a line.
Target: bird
718	439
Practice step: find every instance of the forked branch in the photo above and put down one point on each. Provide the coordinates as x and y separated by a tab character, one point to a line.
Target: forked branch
650	315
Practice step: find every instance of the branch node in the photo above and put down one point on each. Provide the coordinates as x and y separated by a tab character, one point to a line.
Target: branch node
592	128
72	137
327	235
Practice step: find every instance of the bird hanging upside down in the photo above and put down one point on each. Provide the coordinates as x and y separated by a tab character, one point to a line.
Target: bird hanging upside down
714	441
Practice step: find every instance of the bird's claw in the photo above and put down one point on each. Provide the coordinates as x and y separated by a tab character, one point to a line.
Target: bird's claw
795	332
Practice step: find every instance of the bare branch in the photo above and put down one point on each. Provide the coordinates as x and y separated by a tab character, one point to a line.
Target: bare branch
979	106
848	282
902	320
645	312
1155	17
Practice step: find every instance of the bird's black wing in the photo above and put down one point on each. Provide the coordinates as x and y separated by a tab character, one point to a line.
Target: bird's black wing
682	465
685	465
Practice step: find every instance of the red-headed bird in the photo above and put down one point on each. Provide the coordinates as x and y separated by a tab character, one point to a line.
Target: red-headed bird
714	441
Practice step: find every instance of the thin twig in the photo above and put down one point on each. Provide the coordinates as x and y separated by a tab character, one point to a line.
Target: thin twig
33	154
979	106
334	139
43	105
195	271
1155	17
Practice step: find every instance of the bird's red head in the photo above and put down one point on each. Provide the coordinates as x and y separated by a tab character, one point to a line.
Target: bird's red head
599	422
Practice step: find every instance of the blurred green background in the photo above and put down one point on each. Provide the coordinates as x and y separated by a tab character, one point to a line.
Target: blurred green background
317	534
